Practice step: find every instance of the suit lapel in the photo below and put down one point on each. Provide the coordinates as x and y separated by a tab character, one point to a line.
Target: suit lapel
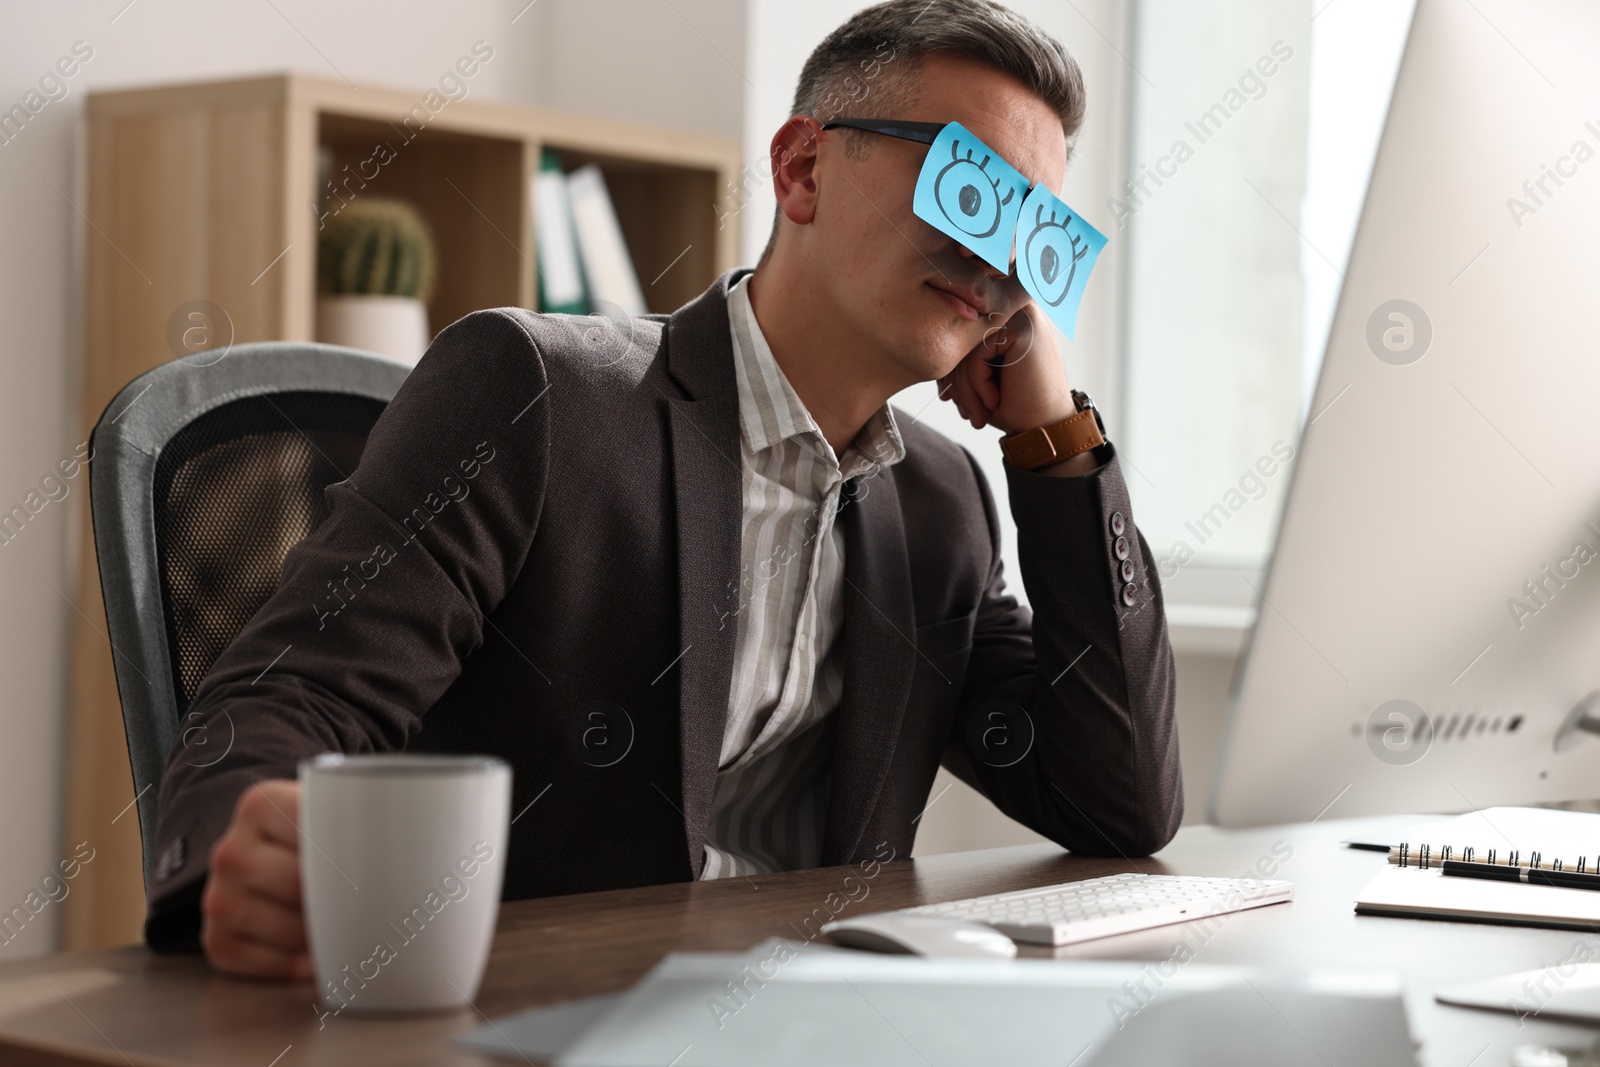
708	507
879	638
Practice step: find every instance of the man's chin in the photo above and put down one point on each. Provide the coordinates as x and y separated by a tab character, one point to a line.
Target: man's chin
933	345
949	344
932	361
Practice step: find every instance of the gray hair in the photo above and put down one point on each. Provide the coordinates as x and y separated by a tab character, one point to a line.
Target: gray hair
876	56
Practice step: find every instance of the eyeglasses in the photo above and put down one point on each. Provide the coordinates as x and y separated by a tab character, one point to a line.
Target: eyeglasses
970	192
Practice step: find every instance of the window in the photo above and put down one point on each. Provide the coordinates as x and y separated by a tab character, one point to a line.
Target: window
1253	131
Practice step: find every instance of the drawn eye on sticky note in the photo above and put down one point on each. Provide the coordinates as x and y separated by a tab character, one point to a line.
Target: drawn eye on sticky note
1056	250
967	191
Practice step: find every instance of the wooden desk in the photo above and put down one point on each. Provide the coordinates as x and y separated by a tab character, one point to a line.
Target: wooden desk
126	1006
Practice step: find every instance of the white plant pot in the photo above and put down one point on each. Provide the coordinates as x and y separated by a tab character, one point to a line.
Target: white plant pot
392	326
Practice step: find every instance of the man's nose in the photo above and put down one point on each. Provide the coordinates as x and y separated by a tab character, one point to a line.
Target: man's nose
989	268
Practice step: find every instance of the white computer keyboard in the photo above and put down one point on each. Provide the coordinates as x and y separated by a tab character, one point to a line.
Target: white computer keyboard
1117	904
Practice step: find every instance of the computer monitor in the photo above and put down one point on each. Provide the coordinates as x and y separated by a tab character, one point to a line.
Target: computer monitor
1430	619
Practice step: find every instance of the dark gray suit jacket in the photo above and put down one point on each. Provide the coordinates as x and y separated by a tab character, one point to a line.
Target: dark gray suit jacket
538	557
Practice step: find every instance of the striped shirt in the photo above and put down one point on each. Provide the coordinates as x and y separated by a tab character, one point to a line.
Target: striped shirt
771	798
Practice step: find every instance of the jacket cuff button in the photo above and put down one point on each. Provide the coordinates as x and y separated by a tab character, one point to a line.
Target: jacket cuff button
170	862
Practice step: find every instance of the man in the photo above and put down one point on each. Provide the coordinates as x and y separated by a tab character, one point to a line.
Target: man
722	608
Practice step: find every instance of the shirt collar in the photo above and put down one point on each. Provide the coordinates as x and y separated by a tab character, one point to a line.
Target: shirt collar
769	409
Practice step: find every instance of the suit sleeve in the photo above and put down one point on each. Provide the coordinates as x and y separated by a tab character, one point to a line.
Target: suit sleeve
377	608
1067	714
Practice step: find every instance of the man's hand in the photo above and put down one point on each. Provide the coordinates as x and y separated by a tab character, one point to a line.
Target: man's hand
1015	378
251	917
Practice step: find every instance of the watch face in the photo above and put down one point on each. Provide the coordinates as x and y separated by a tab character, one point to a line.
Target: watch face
1086	403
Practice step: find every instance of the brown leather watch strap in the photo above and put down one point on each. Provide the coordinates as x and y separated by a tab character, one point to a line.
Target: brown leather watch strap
1051	444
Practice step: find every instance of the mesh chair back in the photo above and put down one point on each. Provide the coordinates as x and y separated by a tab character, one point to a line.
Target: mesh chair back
235	490
202	479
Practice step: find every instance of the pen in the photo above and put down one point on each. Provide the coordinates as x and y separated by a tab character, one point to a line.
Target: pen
1529	875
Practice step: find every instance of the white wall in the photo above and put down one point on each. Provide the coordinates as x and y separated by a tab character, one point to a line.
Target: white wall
561	53
678	64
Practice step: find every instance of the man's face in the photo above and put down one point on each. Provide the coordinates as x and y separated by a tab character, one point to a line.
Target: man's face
893	276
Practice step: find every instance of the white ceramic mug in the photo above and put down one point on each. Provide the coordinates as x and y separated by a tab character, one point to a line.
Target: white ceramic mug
402	858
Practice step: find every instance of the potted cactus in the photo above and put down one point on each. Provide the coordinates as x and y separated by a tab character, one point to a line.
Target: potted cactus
375	266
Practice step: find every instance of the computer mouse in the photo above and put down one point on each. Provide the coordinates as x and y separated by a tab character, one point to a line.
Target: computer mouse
921	935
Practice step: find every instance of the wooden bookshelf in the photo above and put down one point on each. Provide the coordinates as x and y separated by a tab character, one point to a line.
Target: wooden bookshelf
209	192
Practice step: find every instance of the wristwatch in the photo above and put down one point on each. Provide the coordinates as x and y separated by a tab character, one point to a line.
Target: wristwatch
1051	444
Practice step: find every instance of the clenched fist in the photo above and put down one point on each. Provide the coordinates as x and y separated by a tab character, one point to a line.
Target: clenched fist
251	919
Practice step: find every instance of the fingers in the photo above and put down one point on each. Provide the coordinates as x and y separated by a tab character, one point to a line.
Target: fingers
233	954
273	808
1012	340
985	383
947	392
260	920
255	866
964	397
251	918
251	935
964	392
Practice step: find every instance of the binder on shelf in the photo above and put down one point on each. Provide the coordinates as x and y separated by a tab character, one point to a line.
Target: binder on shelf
561	286
607	267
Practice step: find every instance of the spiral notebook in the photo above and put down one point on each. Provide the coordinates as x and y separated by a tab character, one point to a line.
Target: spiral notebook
1551	832
1516	836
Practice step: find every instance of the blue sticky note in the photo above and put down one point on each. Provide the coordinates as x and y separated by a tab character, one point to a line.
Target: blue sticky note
968	192
1056	250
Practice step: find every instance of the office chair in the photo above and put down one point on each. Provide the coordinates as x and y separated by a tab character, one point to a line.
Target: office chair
204	472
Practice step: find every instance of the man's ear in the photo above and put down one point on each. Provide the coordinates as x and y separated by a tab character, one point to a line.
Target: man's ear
794	162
